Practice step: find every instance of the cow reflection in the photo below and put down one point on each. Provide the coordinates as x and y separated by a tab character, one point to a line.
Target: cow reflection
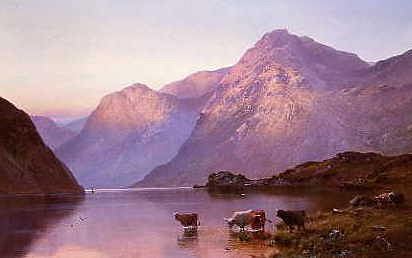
188	239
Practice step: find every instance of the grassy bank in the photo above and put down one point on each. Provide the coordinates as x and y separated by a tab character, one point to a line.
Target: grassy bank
355	232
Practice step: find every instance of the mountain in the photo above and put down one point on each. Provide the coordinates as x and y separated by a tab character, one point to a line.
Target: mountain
289	100
130	132
76	125
27	165
53	135
196	85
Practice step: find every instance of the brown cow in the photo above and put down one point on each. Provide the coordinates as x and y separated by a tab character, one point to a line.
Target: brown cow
259	220
187	219
292	218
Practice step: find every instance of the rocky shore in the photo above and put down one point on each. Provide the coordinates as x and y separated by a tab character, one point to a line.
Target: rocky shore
350	232
346	171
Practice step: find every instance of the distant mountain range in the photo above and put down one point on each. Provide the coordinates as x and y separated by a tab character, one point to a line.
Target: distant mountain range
52	134
27	165
288	100
76	125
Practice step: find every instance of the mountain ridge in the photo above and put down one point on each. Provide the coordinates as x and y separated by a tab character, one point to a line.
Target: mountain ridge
284	103
196	84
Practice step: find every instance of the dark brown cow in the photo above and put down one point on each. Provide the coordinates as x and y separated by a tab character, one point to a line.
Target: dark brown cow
187	219
292	218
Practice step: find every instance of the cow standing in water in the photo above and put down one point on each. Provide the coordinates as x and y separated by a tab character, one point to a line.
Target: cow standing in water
293	218
256	219
189	221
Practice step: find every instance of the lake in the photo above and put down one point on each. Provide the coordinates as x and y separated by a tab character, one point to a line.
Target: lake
139	223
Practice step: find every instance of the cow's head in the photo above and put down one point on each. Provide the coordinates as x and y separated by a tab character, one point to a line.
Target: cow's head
230	221
280	213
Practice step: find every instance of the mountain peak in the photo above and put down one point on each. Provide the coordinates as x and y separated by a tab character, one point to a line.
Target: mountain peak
132	93
301	54
136	88
278	38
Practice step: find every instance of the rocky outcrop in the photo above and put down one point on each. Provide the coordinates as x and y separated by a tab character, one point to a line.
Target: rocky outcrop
27	165
348	171
289	100
130	132
196	85
226	181
52	134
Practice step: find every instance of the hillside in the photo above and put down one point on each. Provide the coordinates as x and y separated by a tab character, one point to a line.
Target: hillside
349	171
27	165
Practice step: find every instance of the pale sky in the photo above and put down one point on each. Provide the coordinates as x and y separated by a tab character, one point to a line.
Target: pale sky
59	58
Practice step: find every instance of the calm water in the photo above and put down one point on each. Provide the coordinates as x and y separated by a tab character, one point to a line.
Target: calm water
137	223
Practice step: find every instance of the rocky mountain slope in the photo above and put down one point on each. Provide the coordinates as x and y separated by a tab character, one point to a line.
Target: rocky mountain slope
195	85
289	100
53	135
27	165
129	133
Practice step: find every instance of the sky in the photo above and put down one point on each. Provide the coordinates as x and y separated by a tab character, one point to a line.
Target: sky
59	58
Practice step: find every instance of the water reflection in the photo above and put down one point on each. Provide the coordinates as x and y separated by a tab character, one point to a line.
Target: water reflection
141	224
25	219
188	239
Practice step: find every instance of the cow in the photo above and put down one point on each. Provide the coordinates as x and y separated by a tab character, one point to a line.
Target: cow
254	218
292	218
389	198
187	220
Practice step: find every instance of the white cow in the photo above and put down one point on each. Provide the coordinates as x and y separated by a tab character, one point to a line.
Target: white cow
255	218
